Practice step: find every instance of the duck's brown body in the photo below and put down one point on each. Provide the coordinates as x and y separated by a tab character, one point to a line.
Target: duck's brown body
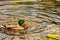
15	29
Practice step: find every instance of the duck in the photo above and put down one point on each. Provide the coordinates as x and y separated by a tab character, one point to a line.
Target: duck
15	29
21	25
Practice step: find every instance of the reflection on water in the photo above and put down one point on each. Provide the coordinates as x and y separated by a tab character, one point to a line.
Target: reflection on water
47	17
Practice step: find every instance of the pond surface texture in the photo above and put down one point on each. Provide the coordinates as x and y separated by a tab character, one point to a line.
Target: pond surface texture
44	19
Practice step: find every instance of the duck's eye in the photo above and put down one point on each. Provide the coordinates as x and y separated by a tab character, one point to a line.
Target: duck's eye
20	22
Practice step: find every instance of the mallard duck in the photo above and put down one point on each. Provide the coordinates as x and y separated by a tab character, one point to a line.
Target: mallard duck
15	29
20	26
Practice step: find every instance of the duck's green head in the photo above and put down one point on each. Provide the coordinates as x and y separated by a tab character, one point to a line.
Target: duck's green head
20	22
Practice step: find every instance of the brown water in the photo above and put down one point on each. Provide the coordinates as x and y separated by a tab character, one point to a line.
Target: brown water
47	18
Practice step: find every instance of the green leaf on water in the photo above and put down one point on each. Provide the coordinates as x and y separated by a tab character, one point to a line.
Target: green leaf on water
50	38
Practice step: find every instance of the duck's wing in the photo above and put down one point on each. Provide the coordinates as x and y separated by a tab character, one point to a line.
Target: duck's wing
18	27
14	26
11	26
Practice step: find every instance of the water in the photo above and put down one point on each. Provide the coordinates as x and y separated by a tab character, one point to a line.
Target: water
47	17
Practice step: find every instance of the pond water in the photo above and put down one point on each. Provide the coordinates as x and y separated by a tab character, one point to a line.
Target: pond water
47	18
